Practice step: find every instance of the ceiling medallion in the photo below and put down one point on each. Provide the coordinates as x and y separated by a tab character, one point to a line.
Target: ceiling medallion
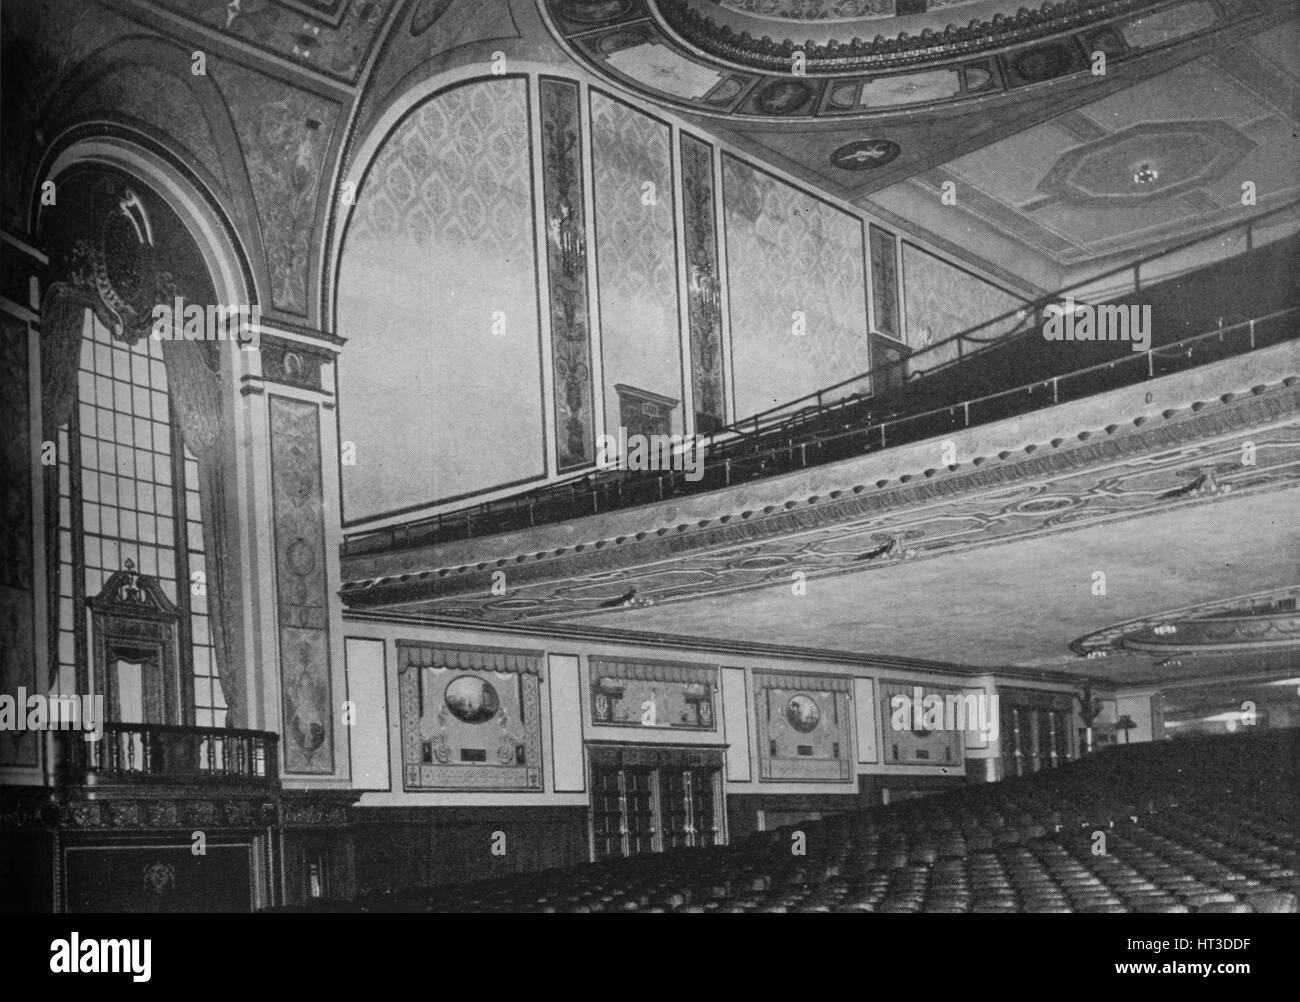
783	97
866	154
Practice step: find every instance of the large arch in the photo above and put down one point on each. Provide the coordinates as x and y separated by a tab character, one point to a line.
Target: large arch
448	246
165	232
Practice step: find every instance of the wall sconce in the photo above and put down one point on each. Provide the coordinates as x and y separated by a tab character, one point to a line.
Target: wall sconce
708	294
568	237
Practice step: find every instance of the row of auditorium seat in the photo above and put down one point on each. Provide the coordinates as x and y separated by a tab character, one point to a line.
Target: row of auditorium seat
1204	826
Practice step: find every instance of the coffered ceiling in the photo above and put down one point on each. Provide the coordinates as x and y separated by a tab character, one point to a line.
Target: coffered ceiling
1066	188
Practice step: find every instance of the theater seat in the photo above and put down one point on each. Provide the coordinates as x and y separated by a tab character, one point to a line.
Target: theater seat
1207	826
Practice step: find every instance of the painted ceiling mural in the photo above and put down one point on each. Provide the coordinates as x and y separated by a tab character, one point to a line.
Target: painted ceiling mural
48	60
331	36
263	143
1167	157
285	133
156	96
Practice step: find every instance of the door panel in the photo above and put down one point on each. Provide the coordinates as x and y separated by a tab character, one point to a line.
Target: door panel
651	808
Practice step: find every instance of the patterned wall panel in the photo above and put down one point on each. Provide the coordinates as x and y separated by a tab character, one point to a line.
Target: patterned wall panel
941	300
791	260
567	270
907	739
635	254
803	727
17	632
471	718
703	284
438	297
652	694
301	587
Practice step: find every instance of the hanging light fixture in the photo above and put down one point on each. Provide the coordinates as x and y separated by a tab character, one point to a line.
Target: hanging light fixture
707	293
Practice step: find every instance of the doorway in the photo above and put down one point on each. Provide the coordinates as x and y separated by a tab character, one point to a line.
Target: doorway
651	799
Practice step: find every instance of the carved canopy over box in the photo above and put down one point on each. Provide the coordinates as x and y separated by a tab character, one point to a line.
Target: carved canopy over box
471	717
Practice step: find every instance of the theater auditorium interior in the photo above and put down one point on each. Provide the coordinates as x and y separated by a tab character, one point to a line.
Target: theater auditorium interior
667	455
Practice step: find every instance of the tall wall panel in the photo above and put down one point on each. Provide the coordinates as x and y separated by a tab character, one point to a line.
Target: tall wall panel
636	256
703	284
567	761
302	595
368	694
438	300
566	269
796	289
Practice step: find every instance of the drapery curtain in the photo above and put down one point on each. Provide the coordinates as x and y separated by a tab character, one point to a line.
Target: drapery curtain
194	381
411	654
813	683
194	385
63	317
653	671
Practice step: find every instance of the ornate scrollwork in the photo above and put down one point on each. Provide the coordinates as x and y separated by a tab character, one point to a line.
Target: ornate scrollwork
117	268
835	56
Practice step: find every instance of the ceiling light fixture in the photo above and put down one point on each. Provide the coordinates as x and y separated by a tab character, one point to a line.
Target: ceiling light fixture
1145	174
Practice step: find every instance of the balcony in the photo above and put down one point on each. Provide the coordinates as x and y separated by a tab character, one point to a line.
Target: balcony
165	754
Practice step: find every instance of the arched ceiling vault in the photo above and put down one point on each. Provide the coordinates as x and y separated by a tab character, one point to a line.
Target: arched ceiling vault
998	104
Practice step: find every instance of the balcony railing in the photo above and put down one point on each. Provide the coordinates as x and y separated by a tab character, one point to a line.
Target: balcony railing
935	390
167	753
